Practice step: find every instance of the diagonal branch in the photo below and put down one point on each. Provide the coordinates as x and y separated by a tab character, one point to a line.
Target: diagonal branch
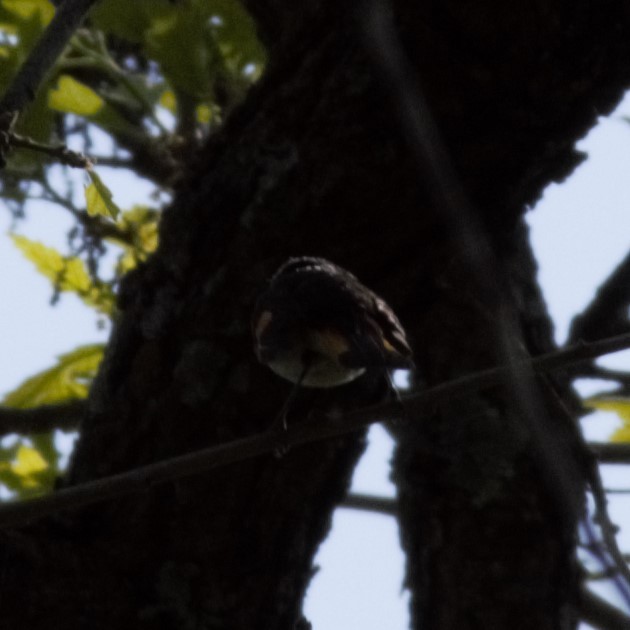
59	151
22	90
607	314
600	614
320	428
379	505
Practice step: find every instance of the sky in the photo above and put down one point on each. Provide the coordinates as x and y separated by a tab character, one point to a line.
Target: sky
580	231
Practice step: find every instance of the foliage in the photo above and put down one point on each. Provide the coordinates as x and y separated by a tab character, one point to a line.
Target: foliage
99	199
126	89
67	274
29	466
66	380
125	73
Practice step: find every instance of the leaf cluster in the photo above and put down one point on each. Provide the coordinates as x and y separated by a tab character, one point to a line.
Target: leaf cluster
129	95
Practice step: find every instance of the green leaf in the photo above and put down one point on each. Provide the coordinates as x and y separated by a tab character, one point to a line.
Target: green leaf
67	274
73	97
43	10
125	19
236	35
21	26
220	39
161	27
68	379
26	470
189	68
99	198
28	461
140	224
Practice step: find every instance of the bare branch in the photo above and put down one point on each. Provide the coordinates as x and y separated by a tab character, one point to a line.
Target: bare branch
609	453
369	503
607	314
608	530
320	428
59	152
112	161
606	374
66	416
67	19
600	614
609	554
606	574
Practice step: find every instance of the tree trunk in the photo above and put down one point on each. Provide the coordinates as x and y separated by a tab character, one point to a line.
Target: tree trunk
316	162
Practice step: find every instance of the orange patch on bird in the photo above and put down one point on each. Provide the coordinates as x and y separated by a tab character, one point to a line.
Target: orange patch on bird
328	342
263	321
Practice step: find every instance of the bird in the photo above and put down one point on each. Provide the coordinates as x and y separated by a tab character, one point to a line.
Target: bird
316	325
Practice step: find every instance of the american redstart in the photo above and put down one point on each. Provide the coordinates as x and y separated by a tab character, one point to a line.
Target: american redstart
316	325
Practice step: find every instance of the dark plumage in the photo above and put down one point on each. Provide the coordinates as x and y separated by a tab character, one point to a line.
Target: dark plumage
318	325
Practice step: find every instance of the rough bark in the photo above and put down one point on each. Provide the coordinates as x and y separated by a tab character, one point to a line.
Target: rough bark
314	162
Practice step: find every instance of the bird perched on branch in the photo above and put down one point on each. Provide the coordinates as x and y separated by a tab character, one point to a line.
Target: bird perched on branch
316	325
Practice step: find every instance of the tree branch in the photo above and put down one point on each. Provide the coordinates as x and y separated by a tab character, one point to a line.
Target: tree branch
320	428
608	453
22	90
65	416
437	170
59	152
598	372
369	503
600	614
607	314
621	577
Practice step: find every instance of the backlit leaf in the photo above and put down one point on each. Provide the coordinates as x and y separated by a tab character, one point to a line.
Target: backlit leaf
99	199
28	461
68	379
74	97
67	274
27	9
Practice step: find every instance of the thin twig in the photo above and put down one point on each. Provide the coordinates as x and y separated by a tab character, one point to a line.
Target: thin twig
320	428
369	503
112	161
59	151
102	61
611	453
66	416
604	575
599	372
67	19
618	566
608	555
609	535
95	226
